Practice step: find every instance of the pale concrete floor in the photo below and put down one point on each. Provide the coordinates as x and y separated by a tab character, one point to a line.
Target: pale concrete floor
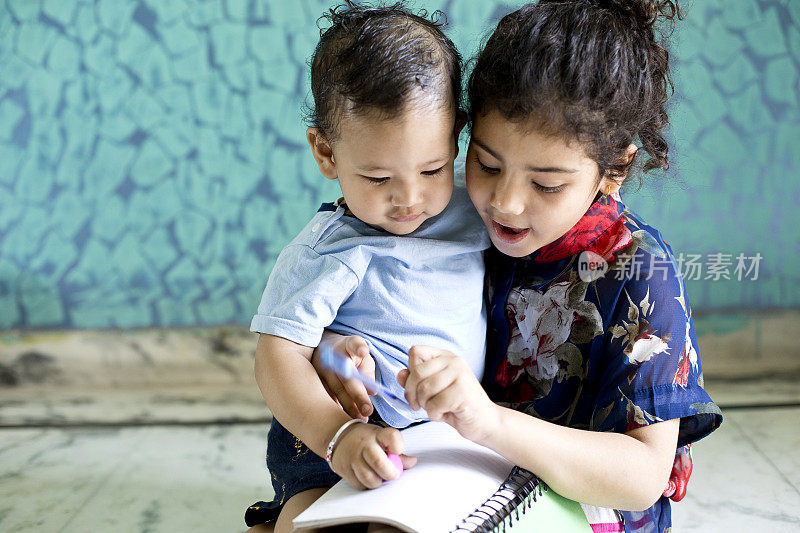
165	431
200	478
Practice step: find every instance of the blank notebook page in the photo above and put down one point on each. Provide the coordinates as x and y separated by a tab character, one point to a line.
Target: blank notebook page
453	477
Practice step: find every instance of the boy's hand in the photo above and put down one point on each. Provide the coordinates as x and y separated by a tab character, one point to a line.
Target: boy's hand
444	385
351	394
360	455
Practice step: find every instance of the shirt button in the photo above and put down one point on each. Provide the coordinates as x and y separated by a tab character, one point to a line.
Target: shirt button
315	228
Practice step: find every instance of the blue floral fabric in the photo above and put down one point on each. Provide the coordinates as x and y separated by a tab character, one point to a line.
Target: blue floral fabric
595	332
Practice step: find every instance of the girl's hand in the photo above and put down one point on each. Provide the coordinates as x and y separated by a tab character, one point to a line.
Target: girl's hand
443	384
351	394
360	455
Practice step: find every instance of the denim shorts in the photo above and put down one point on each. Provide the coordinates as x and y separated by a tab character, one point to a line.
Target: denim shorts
293	469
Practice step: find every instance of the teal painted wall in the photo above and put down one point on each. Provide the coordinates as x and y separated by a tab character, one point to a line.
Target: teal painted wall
153	162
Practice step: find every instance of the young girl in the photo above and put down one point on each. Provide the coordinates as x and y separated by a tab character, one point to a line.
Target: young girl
398	261
592	378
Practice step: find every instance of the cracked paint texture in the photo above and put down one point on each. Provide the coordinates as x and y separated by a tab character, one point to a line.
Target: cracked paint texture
153	159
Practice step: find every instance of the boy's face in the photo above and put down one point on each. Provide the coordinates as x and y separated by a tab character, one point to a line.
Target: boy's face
529	188
396	173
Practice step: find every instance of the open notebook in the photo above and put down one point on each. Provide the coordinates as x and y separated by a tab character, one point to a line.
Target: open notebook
457	485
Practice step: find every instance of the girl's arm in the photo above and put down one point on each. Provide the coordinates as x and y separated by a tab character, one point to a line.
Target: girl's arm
625	471
295	395
622	471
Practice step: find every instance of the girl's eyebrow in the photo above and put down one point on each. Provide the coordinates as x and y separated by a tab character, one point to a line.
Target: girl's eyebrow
551	170
372	168
487	149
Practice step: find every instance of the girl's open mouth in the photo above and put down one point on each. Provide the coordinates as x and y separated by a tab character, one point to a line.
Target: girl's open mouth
509	234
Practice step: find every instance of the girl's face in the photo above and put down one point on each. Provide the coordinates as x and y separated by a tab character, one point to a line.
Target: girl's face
529	188
396	173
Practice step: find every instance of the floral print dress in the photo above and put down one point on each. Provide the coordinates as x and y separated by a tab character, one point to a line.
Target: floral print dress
594	331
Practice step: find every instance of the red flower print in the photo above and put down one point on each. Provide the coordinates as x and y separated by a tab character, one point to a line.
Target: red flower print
687	361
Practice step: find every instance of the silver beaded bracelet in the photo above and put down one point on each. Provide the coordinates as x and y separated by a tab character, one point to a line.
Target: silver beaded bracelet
335	439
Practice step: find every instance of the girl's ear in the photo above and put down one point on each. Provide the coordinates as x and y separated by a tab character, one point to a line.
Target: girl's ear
613	181
323	154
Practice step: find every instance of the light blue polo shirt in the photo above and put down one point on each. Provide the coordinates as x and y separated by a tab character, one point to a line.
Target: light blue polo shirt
395	291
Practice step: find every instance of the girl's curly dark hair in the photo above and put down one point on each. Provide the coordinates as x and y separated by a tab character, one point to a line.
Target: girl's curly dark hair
376	59
590	70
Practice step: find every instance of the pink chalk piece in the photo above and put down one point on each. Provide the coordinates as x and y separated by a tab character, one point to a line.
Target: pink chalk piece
395	459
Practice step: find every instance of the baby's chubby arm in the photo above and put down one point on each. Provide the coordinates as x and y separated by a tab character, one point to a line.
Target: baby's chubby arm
620	470
297	398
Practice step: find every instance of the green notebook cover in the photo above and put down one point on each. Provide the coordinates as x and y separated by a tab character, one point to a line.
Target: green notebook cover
524	504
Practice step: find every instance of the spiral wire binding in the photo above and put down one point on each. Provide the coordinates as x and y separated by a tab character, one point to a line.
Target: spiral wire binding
518	491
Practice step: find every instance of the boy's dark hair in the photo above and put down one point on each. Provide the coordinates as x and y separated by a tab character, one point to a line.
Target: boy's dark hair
590	70
374	59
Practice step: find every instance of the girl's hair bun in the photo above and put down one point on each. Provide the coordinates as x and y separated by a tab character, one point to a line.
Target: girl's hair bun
643	14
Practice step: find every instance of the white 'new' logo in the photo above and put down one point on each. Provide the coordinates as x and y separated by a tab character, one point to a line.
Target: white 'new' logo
591	266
